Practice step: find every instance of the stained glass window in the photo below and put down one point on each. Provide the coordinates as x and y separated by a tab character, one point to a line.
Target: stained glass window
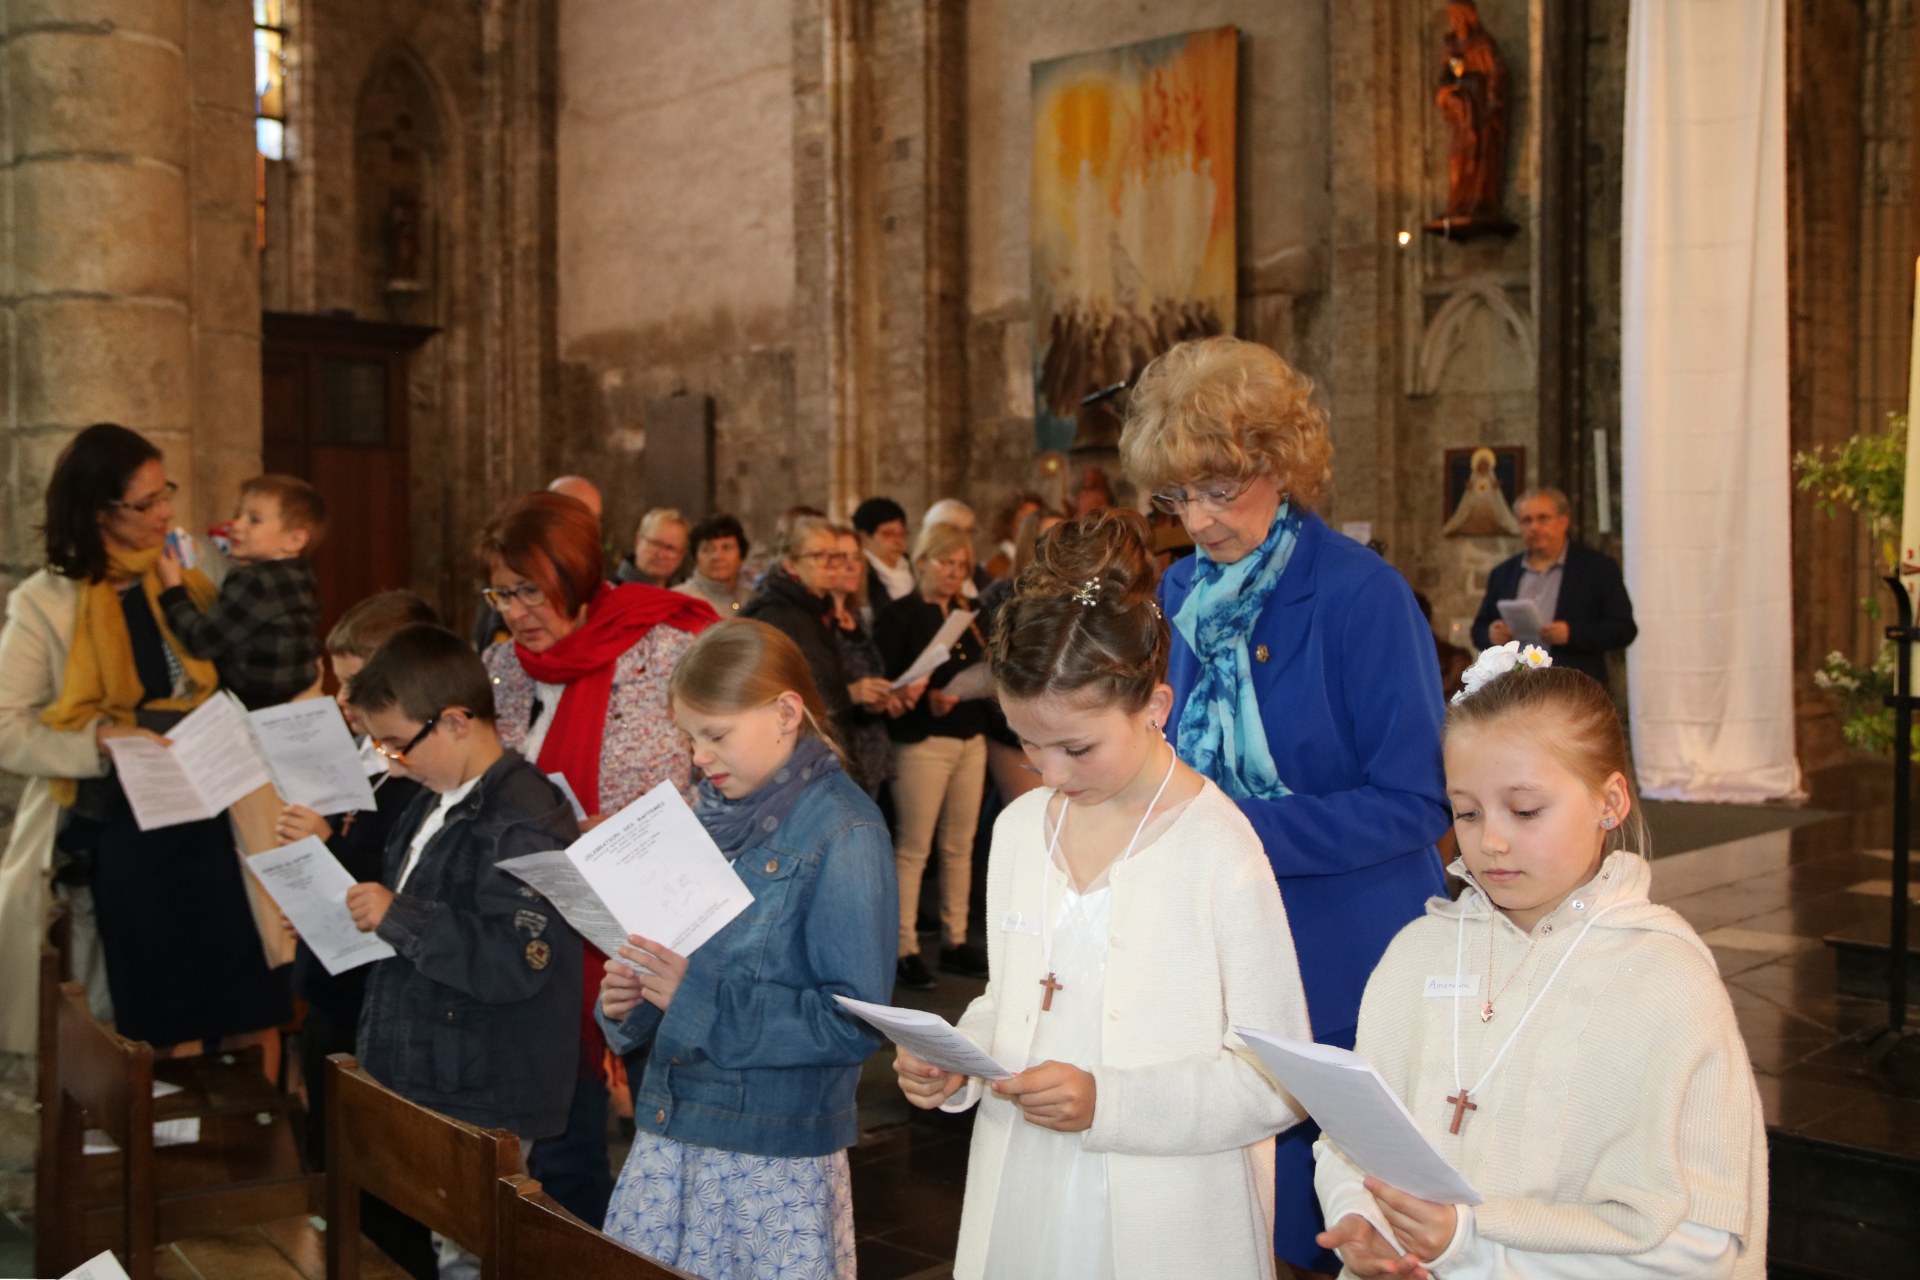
270	78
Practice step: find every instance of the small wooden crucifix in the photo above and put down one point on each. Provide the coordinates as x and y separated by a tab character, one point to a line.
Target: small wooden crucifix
1046	1002
1460	1108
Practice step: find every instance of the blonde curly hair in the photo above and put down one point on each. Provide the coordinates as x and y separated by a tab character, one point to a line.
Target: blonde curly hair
1221	408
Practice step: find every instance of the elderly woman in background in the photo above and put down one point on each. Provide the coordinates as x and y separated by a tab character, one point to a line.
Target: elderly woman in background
719	550
795	597
87	657
882	526
659	549
581	690
940	754
868	746
1304	683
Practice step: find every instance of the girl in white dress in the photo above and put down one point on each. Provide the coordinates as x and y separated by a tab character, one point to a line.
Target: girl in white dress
1567	1044
1133	922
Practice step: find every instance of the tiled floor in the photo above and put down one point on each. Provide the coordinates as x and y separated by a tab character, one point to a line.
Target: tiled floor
1763	904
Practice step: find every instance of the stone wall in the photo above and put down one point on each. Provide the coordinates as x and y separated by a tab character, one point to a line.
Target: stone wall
677	245
484	390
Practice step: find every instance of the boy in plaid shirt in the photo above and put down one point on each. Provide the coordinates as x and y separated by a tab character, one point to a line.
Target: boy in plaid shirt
263	633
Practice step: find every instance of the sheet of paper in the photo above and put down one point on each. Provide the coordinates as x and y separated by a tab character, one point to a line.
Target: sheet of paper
214	745
166	1133
659	873
1349	1101
560	882
166	1089
566	789
156	784
104	1267
308	883
929	1037
1524	617
975	681
938	649
312	756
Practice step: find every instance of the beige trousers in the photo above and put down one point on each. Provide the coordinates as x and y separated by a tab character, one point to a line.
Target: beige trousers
937	790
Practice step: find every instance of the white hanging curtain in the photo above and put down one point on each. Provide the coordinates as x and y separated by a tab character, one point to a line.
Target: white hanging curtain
1704	445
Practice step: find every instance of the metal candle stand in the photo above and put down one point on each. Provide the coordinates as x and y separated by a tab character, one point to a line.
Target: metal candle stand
1903	636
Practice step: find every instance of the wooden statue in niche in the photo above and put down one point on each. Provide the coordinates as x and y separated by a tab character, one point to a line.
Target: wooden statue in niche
403	210
1474	97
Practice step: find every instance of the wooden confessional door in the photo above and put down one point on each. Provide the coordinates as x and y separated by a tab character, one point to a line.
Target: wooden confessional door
334	396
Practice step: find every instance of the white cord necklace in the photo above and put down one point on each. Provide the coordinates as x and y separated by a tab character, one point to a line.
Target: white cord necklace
1461	1101
1046	884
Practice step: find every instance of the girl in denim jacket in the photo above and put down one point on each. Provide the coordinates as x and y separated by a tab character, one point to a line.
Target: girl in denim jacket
745	1109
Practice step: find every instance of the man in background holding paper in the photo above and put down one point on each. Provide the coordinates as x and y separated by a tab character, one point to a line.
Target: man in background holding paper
1571	592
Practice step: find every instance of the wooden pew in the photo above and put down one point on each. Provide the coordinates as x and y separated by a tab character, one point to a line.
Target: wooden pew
245	1168
540	1240
437	1170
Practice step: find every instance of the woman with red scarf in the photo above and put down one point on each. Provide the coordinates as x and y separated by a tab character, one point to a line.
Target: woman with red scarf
580	688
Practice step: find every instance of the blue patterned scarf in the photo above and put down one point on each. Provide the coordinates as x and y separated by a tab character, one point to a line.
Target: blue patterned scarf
739	825
1220	733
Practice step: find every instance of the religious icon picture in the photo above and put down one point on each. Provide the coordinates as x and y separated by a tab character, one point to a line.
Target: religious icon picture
1481	485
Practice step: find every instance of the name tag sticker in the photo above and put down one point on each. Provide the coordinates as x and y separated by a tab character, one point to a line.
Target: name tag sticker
1448	984
1014	922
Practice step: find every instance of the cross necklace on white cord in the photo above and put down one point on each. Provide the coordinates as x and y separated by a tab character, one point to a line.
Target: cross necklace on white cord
1462	1099
1050	983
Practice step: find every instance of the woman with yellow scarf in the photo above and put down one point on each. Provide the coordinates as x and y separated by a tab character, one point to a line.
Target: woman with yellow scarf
86	656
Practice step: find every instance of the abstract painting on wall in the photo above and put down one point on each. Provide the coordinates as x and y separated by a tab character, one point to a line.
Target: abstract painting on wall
1133	220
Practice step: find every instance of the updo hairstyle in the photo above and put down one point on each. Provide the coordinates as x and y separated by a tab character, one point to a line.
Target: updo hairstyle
1226	409
1083	617
1570	714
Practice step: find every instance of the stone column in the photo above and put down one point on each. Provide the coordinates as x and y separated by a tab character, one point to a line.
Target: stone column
131	290
879	223
225	302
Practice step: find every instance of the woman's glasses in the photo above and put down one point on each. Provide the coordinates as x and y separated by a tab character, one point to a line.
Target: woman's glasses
399	754
526	595
1213	499
832	559
147	504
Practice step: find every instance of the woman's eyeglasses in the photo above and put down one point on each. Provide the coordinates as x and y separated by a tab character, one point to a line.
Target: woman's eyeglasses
1213	499
526	595
833	559
147	504
399	754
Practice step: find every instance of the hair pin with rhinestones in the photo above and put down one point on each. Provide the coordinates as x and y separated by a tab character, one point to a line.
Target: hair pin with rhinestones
1088	592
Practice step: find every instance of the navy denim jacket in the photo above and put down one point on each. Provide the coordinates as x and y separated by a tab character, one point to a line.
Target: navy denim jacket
754	1054
478	1016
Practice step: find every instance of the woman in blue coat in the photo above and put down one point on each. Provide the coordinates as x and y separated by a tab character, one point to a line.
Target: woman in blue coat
1304	684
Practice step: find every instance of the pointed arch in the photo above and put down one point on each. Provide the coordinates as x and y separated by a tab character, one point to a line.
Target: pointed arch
1447	332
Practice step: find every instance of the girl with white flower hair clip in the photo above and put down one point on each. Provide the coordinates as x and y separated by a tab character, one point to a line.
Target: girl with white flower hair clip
1565	1043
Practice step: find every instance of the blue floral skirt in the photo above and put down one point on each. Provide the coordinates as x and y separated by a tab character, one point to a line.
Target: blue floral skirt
728	1216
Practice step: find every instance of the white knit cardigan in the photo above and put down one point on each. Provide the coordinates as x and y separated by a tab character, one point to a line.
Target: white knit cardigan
1199	944
1625	1109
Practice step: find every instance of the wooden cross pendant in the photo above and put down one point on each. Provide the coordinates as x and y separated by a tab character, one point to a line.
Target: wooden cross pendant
1460	1108
1046	1002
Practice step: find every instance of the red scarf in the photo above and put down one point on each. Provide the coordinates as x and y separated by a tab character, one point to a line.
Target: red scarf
582	661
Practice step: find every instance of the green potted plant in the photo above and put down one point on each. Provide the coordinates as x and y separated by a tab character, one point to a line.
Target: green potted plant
1866	474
